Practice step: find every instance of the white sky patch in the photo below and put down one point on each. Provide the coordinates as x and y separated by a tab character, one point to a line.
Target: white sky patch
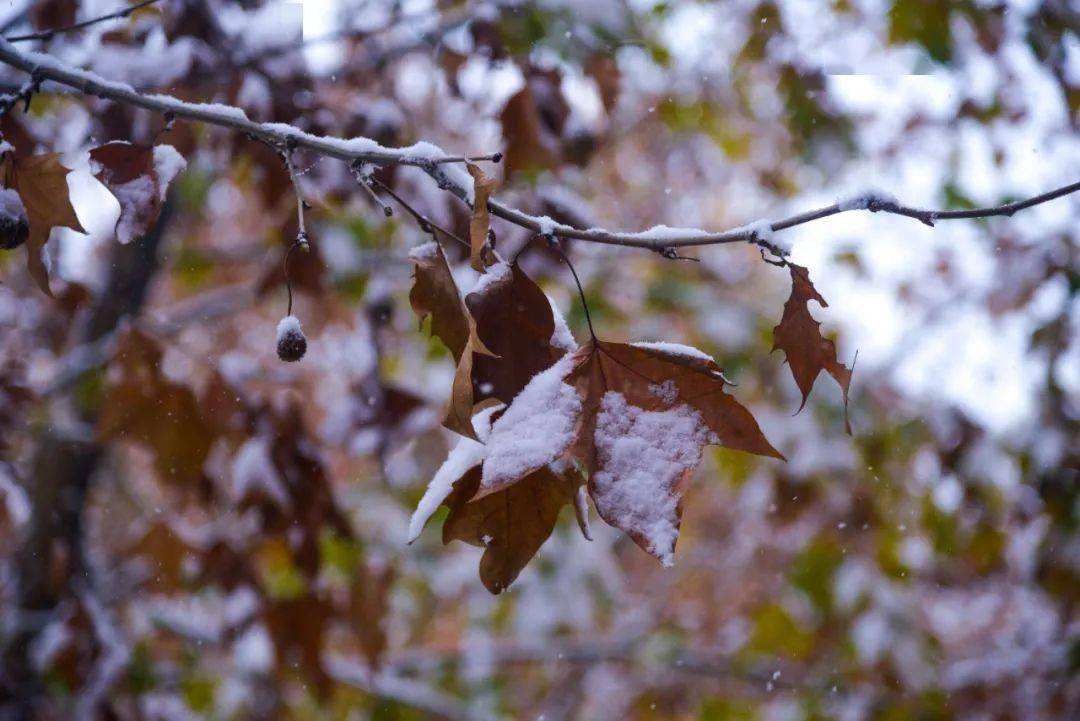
643	455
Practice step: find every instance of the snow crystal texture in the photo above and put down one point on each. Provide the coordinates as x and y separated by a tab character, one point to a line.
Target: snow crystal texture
642	457
535	430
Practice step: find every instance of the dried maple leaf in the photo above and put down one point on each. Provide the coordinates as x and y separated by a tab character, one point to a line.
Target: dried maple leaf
531	121
480	222
139	176
41	182
510	524
648	410
143	405
434	293
516	324
799	336
636	417
513	339
603	69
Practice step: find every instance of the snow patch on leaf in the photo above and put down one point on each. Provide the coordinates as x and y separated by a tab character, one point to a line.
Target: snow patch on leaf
11	205
675	349
426	251
668	391
535	430
643	457
494	274
561	337
465	455
137	193
167	165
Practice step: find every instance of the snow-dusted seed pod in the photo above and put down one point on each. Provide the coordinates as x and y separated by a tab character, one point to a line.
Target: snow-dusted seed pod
291	343
14	227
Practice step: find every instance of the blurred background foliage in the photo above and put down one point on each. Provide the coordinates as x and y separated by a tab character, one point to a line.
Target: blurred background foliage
191	529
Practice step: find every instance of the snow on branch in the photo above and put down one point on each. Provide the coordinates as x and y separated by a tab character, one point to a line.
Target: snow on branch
441	167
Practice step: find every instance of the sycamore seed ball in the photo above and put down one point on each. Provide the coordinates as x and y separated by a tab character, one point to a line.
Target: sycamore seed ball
291	343
14	227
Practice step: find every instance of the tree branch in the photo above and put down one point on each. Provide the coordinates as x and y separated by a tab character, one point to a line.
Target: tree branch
433	161
50	34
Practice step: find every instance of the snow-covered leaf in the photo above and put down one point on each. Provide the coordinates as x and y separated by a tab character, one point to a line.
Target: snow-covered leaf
139	177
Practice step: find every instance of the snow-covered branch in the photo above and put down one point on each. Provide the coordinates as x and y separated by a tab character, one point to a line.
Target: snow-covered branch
440	166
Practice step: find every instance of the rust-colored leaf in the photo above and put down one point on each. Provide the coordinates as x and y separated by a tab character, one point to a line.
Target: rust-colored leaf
53	14
509	525
799	336
483	186
515	323
143	405
509	343
41	181
297	626
138	176
532	144
434	293
648	410
603	69
459	410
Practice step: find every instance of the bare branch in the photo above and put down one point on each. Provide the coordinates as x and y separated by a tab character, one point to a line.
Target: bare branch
50	34
426	224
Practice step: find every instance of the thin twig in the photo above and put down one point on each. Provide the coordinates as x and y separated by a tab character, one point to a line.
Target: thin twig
50	34
299	243
363	179
581	291
426	224
234	118
25	92
301	204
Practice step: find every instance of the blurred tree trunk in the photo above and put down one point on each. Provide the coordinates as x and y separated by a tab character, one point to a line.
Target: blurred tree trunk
51	563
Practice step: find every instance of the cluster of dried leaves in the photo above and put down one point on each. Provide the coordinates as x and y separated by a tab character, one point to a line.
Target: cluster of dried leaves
278	527
546	423
126	169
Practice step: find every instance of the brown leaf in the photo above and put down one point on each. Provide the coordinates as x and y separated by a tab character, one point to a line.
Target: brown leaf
510	342
143	405
131	174
459	410
53	14
41	182
799	336
532	144
483	186
605	72
648	411
168	556
435	293
297	627
369	605
514	322
509	525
